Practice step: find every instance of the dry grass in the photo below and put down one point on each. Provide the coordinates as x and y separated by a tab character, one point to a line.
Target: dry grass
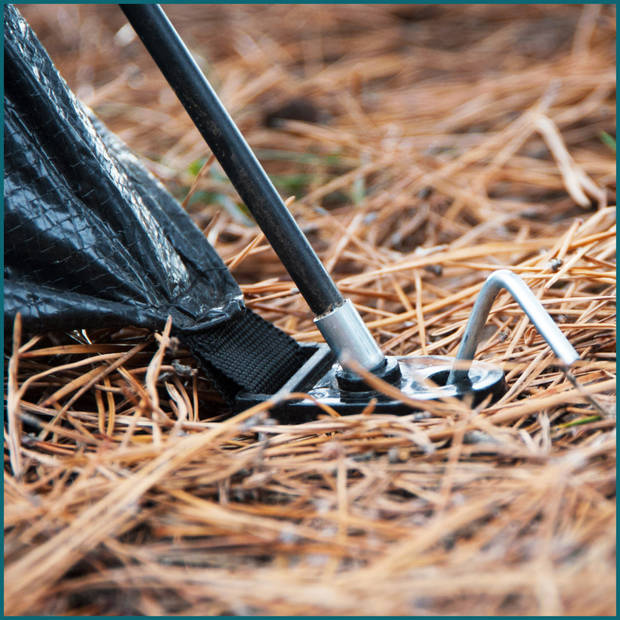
434	144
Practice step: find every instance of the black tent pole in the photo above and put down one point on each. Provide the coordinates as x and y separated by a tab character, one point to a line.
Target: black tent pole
336	318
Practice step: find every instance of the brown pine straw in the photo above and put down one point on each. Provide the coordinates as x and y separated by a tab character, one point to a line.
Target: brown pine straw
442	142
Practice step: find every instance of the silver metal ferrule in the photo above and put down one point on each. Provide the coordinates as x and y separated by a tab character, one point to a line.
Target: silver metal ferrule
348	337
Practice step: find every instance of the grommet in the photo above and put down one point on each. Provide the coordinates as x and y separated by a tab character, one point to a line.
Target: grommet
350	382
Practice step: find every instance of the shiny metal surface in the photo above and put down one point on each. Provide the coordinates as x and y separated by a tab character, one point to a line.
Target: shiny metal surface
348	337
422	379
419	376
498	280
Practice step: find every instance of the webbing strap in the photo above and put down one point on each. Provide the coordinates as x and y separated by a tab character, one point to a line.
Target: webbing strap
246	353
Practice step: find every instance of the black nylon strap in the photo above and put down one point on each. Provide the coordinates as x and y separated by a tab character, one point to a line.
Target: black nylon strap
246	353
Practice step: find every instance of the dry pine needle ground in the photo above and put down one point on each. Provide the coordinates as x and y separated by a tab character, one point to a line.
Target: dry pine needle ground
420	147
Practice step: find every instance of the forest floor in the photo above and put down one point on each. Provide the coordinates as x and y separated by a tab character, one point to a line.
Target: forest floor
419	148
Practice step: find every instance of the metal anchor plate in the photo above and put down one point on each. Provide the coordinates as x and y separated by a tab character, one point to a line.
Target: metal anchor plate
419	374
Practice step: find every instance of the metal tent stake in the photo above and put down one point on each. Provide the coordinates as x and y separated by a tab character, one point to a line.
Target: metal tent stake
336	317
498	280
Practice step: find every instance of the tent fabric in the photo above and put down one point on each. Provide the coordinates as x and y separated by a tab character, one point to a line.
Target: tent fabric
92	239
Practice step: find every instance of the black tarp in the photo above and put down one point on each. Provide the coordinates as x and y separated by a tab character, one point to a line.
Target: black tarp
93	240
